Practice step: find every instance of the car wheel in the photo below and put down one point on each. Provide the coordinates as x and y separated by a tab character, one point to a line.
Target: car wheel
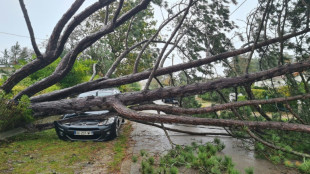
115	129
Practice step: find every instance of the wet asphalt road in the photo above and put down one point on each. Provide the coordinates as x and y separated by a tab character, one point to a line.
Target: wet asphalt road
155	142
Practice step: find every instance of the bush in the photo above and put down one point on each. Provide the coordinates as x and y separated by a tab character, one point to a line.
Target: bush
190	102
305	167
210	96
259	93
130	87
134	159
79	73
215	97
14	115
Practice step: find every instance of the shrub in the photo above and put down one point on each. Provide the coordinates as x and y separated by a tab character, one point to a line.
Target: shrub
305	167
249	170
14	115
199	157
130	87
134	159
190	102
259	93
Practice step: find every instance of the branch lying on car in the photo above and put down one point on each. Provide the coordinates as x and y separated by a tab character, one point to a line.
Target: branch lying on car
155	118
73	105
45	126
177	110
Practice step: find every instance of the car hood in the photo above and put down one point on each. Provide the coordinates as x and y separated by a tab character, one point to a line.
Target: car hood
90	122
88	113
83	123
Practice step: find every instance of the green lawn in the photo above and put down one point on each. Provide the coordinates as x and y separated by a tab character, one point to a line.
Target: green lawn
43	152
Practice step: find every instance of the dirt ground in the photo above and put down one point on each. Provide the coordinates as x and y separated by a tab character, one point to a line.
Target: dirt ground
99	163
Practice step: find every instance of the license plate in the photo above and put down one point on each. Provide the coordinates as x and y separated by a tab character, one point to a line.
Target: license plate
83	133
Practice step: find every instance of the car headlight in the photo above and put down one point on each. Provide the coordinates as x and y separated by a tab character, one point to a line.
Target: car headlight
101	123
110	121
107	122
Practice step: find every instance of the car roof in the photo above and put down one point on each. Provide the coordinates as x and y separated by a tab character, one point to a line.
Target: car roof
100	92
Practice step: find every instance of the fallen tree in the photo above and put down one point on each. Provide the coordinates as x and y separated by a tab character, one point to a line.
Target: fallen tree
192	36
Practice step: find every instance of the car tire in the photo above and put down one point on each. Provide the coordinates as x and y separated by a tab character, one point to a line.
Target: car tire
115	129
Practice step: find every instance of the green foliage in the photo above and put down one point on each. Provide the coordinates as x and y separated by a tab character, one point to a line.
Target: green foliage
44	152
215	97
130	87
210	96
14	114
143	153
207	27
275	159
106	50
299	141
249	170
174	170
15	55
242	98
134	159
288	163
202	158
80	72
151	160
190	102
147	168
50	89
260	93
305	167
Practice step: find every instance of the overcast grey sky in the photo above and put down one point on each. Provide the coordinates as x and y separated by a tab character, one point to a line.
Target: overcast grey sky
44	14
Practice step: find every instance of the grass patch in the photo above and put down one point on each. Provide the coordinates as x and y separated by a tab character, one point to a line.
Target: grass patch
203	102
43	152
119	148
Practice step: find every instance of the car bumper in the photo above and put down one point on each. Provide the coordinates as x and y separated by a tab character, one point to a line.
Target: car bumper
99	133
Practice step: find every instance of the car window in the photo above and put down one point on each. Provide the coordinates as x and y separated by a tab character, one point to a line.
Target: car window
88	113
99	93
104	93
96	112
74	115
86	94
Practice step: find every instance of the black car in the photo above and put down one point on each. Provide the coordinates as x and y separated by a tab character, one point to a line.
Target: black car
83	128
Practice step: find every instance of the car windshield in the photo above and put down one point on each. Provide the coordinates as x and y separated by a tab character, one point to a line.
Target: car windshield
86	94
96	112
96	93
100	93
88	113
